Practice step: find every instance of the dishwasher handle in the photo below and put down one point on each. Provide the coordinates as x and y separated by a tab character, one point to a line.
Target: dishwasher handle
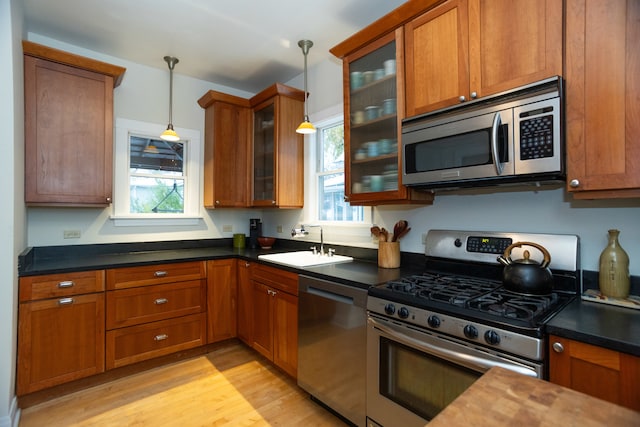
330	295
344	294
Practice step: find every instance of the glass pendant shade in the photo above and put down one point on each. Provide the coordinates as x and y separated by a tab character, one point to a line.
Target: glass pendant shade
169	134
306	126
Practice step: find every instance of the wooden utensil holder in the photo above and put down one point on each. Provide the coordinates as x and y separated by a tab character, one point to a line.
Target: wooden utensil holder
389	254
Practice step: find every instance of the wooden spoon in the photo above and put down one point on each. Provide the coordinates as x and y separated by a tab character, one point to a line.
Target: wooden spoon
403	232
384	235
375	230
398	229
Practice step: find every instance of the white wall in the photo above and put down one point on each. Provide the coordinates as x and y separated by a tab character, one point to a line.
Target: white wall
12	216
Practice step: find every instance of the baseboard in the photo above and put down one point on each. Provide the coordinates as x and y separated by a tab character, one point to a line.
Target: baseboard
13	418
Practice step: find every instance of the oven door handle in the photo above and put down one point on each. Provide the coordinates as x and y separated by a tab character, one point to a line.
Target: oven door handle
495	127
467	360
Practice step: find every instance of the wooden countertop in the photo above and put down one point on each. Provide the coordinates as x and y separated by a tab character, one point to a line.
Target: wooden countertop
504	398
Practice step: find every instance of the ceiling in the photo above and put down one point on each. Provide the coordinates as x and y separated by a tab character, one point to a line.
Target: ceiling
243	44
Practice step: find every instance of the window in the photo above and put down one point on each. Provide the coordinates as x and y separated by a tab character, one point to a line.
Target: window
330	176
157	182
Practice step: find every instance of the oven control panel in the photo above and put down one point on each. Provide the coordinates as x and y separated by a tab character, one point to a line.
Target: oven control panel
488	245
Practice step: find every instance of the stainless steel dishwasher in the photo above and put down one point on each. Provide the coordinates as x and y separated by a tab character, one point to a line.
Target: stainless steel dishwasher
332	337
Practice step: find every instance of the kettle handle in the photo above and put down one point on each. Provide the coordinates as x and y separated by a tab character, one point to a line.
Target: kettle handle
546	256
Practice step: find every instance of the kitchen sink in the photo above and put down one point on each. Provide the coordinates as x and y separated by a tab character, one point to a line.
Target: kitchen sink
304	259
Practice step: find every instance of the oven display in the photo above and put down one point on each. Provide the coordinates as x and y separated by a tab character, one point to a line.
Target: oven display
488	245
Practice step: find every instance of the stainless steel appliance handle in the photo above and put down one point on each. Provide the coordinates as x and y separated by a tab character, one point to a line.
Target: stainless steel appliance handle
495	127
335	291
450	355
330	295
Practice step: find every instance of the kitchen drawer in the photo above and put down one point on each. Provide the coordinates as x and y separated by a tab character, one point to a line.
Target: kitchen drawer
142	342
276	278
61	285
133	306
129	277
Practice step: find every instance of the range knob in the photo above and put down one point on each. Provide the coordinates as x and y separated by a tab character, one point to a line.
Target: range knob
390	309
403	313
470	331
433	321
492	337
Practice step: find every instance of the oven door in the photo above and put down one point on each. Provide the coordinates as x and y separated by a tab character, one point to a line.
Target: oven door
457	150
413	375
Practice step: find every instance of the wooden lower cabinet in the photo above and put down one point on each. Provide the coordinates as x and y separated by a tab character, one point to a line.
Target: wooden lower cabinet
155	310
275	316
60	337
596	371
245	304
149	340
221	300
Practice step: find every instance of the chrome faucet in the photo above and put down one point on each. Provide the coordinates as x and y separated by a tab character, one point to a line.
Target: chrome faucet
301	232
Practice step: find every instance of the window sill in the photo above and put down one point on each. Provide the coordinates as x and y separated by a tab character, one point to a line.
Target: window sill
143	221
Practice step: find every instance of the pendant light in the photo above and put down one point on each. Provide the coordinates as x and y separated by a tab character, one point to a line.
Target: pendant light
306	126
170	134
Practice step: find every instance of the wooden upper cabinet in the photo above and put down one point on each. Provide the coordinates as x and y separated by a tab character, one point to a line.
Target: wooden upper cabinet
68	128
602	91
437	58
227	132
466	49
277	151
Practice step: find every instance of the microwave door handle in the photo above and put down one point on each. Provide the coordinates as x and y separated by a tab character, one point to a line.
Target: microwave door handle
495	127
468	360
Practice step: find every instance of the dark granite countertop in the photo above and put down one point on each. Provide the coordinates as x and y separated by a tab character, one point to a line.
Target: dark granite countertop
599	324
616	328
362	272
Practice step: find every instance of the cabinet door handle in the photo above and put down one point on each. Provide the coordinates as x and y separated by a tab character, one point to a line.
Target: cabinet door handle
160	337
558	347
160	273
65	301
160	301
574	183
66	284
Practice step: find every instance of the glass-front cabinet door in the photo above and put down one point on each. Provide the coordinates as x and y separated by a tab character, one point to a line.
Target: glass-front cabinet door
264	153
374	108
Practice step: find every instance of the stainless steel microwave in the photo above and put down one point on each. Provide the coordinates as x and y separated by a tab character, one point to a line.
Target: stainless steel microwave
509	138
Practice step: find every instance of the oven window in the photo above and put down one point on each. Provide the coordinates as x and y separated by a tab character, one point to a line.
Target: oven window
419	382
455	151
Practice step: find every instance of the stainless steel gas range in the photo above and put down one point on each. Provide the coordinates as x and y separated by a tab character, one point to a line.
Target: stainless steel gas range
431	335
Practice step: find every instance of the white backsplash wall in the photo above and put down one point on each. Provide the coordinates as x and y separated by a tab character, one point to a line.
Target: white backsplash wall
544	211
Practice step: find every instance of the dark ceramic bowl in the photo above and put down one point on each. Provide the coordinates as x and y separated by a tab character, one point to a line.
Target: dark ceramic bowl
266	242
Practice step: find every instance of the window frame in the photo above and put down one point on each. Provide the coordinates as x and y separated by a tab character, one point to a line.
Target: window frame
313	213
121	215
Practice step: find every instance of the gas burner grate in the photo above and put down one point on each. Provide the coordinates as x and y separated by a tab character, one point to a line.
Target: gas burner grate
507	304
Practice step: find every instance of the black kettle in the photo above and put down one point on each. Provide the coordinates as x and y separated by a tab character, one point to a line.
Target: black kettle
527	276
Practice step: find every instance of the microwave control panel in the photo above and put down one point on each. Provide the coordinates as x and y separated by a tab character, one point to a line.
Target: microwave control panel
536	134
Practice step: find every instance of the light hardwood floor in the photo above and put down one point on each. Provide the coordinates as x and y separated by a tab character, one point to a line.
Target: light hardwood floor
231	386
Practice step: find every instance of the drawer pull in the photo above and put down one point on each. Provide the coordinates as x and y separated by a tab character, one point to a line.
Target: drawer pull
160	301
160	337
65	301
66	284
160	273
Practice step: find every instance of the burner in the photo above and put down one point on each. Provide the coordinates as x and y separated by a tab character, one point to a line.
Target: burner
507	304
402	286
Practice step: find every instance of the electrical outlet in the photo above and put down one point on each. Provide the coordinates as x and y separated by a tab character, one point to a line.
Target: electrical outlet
279	229
71	234
227	228
424	238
